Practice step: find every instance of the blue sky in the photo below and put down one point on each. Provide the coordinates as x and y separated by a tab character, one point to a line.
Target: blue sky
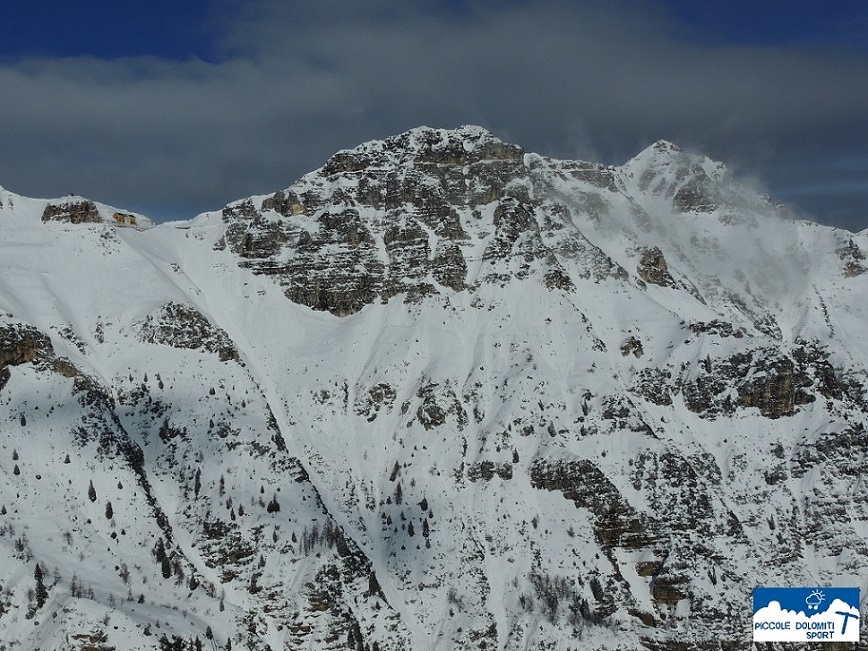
172	108
175	30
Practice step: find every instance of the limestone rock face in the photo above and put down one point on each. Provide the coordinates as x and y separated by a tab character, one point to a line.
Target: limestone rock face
653	268
634	346
698	196
183	326
777	385
691	183
74	212
20	344
410	215
854	259
376	221
779	391
616	524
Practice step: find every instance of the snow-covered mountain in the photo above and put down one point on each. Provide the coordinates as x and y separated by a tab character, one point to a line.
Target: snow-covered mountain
438	394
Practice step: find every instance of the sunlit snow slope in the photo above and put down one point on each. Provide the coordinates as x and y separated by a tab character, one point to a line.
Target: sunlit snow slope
439	394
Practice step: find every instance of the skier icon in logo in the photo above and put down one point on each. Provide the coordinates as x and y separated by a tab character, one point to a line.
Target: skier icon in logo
815	599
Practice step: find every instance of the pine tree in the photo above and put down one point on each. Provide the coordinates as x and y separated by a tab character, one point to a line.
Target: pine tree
109	512
159	550
41	590
91	492
373	584
124	573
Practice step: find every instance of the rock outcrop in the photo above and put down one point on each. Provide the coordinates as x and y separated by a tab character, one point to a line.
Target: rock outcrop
74	212
183	326
21	344
853	258
404	216
653	269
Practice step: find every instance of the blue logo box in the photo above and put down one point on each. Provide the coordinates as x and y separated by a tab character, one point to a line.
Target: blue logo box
806	614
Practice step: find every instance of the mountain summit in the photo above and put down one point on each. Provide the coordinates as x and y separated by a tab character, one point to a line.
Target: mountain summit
440	393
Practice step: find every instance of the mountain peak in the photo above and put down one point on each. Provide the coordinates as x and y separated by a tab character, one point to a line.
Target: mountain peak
694	181
465	145
666	146
662	153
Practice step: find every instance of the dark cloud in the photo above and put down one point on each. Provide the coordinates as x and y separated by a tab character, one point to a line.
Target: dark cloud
293	82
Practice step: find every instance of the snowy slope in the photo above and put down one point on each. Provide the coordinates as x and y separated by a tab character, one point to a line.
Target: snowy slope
439	394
